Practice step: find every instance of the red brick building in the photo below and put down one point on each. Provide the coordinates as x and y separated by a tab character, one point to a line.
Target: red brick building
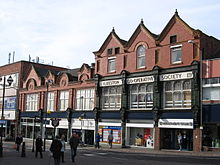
148	88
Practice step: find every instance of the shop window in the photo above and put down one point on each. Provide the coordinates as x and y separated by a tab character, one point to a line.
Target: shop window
31	102
176	54
111	98
177	94
111	65
141	96
85	99
140	54
64	100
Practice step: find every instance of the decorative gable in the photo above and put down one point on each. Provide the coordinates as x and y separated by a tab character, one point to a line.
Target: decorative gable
84	73
33	76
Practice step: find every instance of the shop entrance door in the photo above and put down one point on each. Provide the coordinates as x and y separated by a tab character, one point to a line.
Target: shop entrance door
169	139
89	137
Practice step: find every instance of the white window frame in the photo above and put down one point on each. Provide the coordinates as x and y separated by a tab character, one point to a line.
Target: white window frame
138	104
211	89
63	100
50	101
31	102
140	57
174	52
85	99
111	64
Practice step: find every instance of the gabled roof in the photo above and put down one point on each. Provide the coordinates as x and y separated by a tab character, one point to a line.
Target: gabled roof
141	27
84	65
171	23
108	39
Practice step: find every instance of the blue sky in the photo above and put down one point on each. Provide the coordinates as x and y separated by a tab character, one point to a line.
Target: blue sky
66	32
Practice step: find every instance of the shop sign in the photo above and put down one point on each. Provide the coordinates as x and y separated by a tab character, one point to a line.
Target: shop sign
3	122
110	83
10	103
176	123
176	76
138	80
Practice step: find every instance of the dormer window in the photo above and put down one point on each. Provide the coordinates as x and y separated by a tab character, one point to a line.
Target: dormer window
173	39
140	54
109	51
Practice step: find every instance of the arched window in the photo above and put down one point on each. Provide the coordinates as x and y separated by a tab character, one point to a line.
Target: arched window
141	52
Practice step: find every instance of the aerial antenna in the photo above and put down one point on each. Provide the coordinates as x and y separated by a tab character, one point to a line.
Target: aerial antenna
9	57
13	56
29	58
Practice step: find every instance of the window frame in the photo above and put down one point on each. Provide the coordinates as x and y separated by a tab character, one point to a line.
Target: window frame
176	51
64	102
31	102
111	64
140	57
50	101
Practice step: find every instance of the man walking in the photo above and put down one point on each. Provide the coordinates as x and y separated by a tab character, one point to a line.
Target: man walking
55	148
74	141
18	141
38	144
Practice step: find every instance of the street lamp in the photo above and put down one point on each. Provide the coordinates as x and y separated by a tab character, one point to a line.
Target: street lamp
35	118
9	80
81	117
69	112
48	82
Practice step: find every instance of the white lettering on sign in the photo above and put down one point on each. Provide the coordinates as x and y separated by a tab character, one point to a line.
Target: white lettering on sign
175	123
138	80
176	76
110	83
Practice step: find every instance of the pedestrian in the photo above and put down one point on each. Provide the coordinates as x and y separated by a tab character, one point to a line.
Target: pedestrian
63	147
74	141
110	139
39	144
97	140
18	141
180	141
55	148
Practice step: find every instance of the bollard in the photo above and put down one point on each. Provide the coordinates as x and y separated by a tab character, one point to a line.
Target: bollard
23	150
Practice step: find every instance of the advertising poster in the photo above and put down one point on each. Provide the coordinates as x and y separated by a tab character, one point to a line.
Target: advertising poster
105	130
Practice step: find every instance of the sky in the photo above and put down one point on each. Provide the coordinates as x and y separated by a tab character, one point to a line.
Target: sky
65	33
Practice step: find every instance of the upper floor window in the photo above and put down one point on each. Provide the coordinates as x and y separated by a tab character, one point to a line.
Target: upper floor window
111	98
140	53
64	100
31	102
50	101
177	94
141	96
173	39
85	99
117	50
109	51
211	88
111	64
176	54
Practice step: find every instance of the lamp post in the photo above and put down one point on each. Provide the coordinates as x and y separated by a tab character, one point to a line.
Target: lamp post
81	117
9	80
69	112
48	82
34	133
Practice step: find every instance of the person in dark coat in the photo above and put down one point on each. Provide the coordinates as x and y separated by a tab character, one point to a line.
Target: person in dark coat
97	140
18	141
39	144
55	148
74	141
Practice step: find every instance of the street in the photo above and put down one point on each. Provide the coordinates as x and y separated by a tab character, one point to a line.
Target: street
91	156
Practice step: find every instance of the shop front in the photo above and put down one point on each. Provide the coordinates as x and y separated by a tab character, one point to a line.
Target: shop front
171	128
140	135
105	129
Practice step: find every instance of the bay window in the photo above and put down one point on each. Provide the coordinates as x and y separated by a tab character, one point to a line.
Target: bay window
141	96
111	98
177	94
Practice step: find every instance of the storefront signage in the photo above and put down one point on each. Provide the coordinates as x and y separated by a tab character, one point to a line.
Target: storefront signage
176	76
138	80
110	83
176	123
10	103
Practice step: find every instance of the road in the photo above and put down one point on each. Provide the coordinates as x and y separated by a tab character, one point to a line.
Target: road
108	157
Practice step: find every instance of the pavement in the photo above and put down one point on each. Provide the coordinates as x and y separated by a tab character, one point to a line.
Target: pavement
117	148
